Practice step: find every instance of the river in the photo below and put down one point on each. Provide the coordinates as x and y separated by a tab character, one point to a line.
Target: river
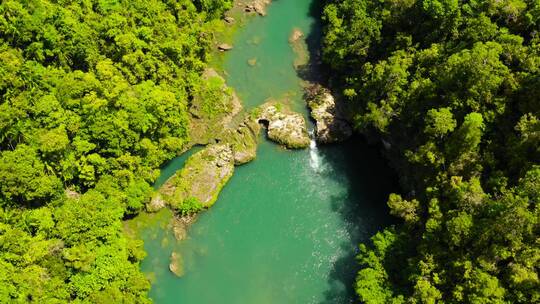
285	228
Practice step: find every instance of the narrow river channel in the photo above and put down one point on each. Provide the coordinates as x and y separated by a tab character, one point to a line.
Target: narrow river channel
285	229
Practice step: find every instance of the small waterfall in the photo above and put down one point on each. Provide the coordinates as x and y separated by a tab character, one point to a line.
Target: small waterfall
315	160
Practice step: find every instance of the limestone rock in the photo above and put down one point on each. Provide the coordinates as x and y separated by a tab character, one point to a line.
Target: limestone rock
331	122
284	126
229	20
202	177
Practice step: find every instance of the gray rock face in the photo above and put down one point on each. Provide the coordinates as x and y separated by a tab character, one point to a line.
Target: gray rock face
284	127
331	122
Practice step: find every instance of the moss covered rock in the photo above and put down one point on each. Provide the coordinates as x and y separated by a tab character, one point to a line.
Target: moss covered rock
243	141
200	180
213	109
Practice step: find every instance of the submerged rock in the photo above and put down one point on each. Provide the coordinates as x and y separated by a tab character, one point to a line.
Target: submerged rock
284	126
331	122
300	49
202	177
180	225
176	264
296	34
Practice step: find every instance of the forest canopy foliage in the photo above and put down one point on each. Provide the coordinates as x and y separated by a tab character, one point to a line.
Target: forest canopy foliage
93	99
452	89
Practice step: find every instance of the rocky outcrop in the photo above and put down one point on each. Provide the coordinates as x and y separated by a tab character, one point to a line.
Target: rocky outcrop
331	122
202	177
284	126
257	6
243	141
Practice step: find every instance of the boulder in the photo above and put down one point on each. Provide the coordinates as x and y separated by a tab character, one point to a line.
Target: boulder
229	20
332	124
225	47
284	126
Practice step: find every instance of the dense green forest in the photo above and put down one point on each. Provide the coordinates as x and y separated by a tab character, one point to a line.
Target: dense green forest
94	97
452	89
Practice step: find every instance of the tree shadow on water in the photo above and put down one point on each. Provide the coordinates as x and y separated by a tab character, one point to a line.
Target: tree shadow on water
312	71
368	180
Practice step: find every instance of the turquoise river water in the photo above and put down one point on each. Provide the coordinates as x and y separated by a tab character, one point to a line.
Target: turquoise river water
285	228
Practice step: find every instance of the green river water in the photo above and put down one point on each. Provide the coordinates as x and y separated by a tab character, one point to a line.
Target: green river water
285	228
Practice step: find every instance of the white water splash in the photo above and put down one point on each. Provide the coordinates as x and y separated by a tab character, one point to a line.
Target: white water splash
315	159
